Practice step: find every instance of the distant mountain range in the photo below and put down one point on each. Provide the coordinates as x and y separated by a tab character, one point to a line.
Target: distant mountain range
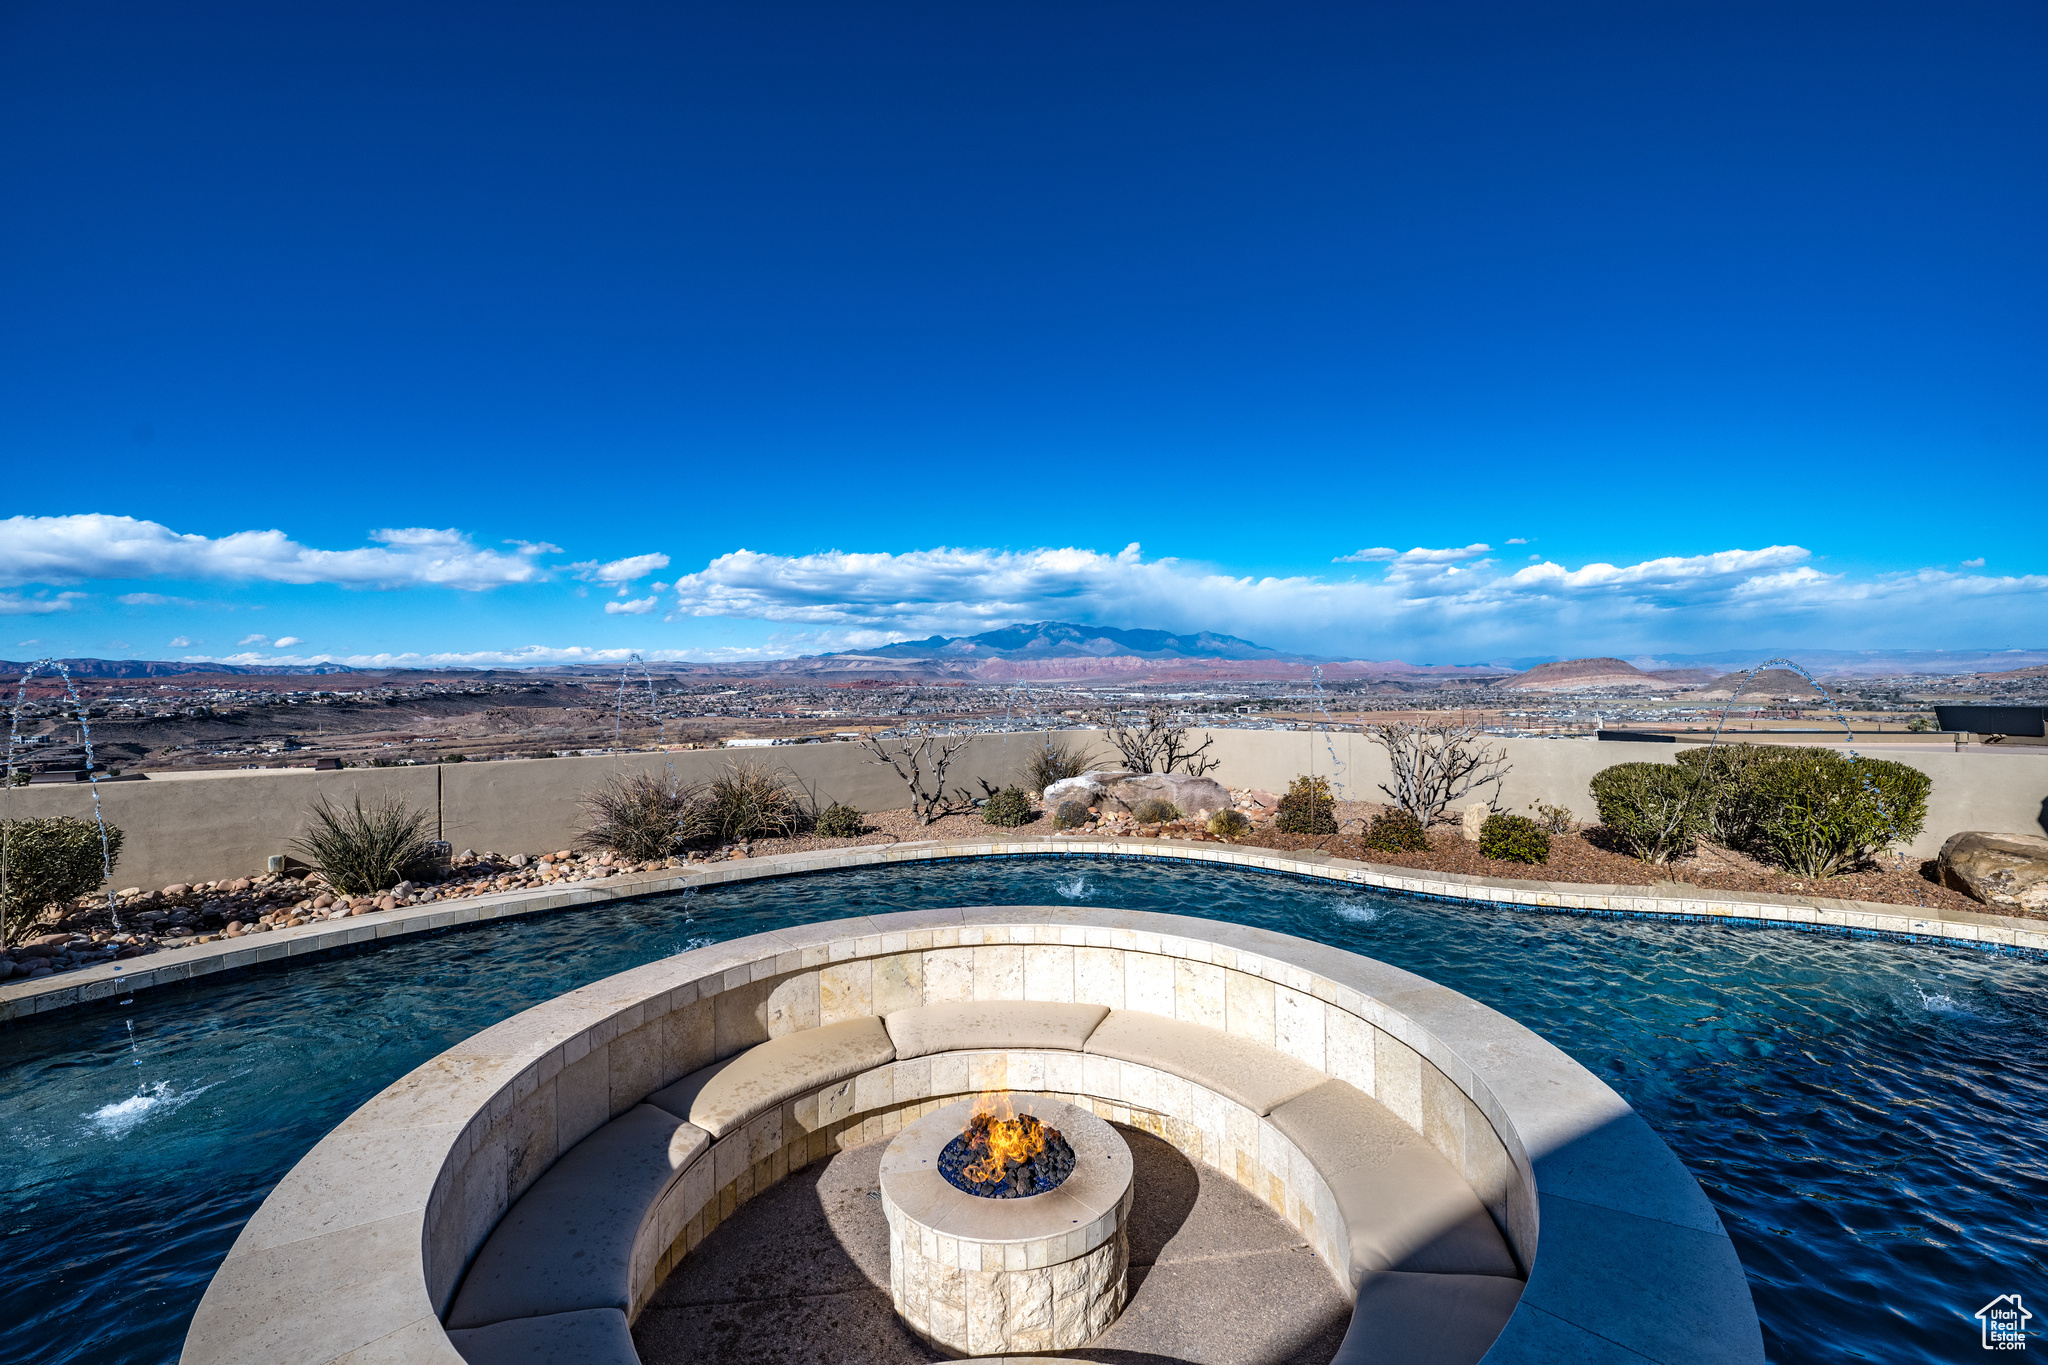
1060	651
1059	640
160	668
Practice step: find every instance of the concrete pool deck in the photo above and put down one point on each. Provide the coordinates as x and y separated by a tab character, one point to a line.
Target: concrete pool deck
1674	900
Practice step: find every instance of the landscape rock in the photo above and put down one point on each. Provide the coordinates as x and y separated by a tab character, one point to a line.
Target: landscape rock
177	889
1089	787
1475	819
1197	797
2006	871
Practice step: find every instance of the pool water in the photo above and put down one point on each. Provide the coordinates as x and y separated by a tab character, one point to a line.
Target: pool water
1870	1118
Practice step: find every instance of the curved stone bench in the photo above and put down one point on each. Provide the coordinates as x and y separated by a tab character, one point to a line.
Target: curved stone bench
534	1185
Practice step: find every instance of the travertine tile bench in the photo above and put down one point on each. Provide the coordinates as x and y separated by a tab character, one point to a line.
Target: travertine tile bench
521	1197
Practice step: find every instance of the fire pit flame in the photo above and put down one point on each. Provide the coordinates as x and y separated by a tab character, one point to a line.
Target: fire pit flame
1002	1155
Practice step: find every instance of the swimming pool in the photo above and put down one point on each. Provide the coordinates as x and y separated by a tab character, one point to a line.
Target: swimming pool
1868	1117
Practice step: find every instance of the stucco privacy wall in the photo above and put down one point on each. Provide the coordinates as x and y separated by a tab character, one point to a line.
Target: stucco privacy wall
387	1211
195	827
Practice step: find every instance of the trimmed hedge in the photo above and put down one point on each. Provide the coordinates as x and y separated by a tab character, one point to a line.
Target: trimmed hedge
1514	839
1818	813
1654	810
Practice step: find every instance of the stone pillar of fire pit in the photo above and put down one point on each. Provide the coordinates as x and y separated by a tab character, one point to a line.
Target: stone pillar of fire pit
982	1276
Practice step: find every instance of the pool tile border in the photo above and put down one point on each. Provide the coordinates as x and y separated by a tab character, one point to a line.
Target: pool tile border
1660	900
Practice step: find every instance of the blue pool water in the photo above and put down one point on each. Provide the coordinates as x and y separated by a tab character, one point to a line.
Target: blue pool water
1871	1119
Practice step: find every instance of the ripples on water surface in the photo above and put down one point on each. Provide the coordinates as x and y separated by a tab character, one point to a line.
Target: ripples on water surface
1868	1117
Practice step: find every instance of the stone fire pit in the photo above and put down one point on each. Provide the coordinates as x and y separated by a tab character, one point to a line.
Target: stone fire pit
994	1276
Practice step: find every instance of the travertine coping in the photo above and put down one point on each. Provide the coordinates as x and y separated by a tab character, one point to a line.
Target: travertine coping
1662	899
358	1252
1042	1273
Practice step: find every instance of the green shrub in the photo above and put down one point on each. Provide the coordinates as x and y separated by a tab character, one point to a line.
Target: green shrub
1008	808
1059	760
746	802
841	821
1819	814
1153	811
1552	819
1654	810
1397	831
360	851
1070	815
50	861
1308	808
1514	839
1229	824
1724	776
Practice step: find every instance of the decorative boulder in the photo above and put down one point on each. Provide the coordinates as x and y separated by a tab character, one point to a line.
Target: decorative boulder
1119	790
1198	797
2005	871
1088	788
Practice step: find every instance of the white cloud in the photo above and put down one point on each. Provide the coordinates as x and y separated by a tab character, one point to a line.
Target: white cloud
180	642
1415	557
1973	563
254	640
68	549
14	604
636	608
1423	606
526	656
1517	540
619	570
153	599
287	641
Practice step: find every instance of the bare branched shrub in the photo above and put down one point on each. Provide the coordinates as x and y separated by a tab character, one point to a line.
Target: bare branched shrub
1435	764
360	850
1059	760
643	815
1159	744
750	802
921	759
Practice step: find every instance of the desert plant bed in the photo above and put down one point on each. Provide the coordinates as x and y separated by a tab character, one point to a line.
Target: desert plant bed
1588	856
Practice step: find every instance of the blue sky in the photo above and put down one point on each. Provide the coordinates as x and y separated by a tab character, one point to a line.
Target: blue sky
469	333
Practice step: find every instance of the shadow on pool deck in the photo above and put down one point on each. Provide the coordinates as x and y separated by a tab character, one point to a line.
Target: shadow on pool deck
802	1274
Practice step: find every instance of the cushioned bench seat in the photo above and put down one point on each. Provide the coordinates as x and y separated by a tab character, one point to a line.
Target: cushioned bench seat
1404	1319
567	1243
988	1025
1405	1208
1252	1074
1436	1280
723	1096
595	1336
